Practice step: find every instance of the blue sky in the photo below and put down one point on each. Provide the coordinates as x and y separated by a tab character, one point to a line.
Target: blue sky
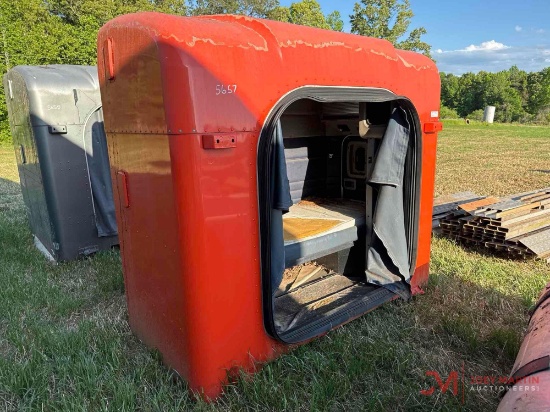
469	35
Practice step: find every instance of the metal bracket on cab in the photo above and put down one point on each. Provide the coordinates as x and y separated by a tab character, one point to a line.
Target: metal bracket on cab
57	129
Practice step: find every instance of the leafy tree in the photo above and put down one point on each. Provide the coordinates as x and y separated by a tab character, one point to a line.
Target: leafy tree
335	21
447	113
518	96
476	115
73	11
64	32
32	35
308	13
496	89
390	20
518	81
468	95
37	32
449	89
538	90
280	13
255	8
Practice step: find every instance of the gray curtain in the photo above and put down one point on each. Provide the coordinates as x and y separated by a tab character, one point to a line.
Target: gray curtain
281	202
100	175
387	256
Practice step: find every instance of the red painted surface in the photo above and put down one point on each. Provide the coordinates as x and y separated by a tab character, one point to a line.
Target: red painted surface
532	391
122	185
433	127
189	238
220	141
110	59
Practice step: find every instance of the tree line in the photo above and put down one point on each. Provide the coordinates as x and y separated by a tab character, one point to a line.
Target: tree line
517	95
36	32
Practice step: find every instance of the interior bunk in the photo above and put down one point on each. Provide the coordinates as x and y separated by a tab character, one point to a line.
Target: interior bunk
324	220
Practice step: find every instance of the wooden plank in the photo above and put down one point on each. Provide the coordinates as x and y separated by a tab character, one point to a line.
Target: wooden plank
507	205
480	212
290	307
533	215
534	194
492	214
471	206
529	193
538	243
519	213
536	222
518	238
448	208
543	196
528	206
528	227
455	197
305	276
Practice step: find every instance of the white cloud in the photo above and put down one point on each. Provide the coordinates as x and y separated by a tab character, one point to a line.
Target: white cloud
540	31
486	45
492	56
519	28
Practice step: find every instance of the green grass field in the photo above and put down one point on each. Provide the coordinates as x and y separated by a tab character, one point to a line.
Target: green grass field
65	343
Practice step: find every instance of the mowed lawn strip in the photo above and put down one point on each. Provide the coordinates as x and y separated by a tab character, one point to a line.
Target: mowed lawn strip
65	343
492	160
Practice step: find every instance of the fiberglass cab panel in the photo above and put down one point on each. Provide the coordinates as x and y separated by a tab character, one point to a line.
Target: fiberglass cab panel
190	105
57	127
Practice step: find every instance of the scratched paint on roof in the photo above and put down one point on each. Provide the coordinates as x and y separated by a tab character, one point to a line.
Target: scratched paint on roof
295	43
232	37
410	65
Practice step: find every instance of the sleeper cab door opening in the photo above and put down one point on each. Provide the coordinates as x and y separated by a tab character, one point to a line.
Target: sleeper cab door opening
338	212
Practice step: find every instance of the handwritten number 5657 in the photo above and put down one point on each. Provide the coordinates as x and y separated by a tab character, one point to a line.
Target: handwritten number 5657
225	89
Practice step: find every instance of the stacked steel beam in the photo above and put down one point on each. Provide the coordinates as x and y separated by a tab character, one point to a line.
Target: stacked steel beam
518	225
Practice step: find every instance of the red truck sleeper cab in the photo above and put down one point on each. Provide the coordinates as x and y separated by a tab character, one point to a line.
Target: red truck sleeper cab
271	181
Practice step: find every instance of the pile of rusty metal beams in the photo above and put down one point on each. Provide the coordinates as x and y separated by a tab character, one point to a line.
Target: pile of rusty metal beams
517	226
447	205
